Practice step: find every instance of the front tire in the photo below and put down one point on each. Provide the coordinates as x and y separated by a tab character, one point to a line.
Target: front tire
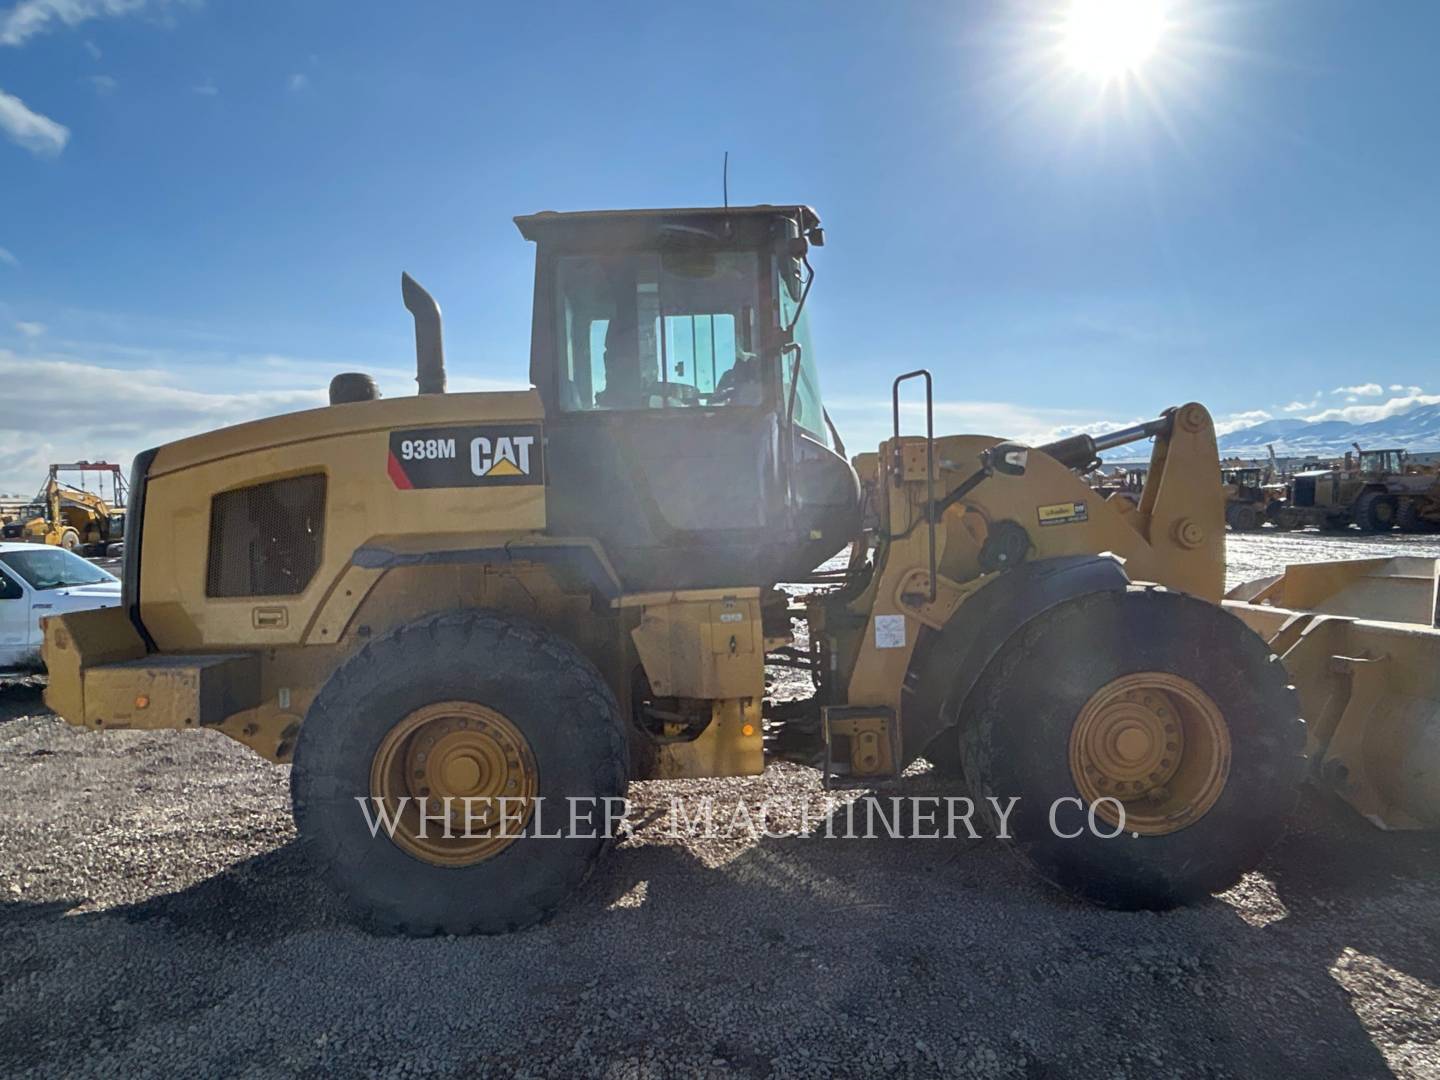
1408	517
1083	705
500	706
1243	517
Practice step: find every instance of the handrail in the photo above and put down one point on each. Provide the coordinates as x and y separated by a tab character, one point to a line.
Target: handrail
898	459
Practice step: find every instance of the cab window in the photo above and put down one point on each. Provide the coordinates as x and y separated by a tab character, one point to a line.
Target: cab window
9	588
652	331
809	412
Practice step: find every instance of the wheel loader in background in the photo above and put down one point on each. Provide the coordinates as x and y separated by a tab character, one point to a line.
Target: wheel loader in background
475	618
1377	490
71	517
1247	503
1408	495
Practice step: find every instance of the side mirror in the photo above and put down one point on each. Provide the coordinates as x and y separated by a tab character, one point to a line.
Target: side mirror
1007	458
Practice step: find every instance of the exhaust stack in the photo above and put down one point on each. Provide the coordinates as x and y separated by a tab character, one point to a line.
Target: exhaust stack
429	343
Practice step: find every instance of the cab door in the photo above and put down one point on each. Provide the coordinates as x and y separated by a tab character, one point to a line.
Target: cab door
679	499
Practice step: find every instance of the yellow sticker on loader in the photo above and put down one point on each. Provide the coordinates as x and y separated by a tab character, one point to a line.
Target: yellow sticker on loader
1063	513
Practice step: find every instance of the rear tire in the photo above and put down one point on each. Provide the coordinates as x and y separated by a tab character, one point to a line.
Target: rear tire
544	688
1375	512
1016	741
69	539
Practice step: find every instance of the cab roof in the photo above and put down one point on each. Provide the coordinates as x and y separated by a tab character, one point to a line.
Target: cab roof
618	229
531	225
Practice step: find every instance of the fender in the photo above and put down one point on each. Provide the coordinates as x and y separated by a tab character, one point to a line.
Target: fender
577	563
948	663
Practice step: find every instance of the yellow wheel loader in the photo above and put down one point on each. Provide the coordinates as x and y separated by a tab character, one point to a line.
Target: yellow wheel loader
1247	504
470	620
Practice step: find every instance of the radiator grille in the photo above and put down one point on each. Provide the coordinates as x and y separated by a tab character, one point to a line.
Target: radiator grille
266	540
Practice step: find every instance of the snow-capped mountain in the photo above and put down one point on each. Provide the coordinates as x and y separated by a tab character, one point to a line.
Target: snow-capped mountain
1418	430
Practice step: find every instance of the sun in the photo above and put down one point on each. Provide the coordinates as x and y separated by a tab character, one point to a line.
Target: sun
1112	39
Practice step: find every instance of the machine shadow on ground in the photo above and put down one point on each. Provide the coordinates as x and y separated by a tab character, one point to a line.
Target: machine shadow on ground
856	943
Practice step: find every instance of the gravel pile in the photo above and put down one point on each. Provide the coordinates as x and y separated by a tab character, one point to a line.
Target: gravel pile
157	918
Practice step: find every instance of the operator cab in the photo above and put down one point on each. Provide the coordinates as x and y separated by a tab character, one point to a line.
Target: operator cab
1382	462
684	426
1246	480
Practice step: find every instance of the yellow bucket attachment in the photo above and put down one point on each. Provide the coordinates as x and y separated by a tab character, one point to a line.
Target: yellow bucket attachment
1361	641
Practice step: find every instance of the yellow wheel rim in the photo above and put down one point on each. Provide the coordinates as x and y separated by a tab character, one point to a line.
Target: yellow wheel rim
1157	744
465	753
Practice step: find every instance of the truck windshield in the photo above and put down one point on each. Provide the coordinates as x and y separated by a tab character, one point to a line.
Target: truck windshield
54	568
653	331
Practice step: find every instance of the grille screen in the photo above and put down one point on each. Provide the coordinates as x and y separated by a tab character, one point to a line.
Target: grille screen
266	540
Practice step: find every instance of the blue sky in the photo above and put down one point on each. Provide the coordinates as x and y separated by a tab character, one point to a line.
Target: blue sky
205	207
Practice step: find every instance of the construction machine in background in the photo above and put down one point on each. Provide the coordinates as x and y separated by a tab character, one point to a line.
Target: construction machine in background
480	615
1378	490
1127	482
1247	503
72	517
1392	478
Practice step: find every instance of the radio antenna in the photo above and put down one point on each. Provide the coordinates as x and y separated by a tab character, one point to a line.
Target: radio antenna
725	179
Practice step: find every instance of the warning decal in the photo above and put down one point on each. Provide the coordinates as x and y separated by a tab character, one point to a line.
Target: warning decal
1064	513
475	455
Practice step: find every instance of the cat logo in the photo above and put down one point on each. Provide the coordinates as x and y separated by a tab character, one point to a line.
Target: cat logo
508	456
469	456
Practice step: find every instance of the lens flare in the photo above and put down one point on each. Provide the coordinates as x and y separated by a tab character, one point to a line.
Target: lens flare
1109	39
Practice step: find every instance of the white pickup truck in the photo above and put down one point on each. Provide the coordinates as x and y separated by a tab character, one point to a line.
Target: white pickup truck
35	581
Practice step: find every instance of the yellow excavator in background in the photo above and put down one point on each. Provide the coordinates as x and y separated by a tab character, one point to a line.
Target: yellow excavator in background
72	517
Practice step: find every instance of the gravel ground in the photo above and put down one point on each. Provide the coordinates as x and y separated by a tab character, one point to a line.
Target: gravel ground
156	918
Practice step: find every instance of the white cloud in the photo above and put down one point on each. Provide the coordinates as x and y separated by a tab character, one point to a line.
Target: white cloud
8	258
104	84
1236	421
25	127
31	17
93	50
1364	414
864	423
111	413
206	89
30	329
298	82
1368	389
1300	406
